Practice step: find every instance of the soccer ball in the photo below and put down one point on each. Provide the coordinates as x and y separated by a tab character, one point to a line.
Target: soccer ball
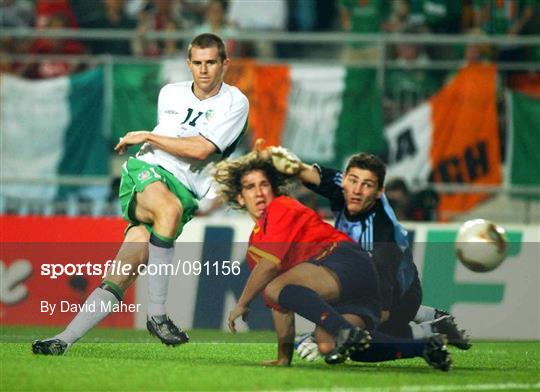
481	245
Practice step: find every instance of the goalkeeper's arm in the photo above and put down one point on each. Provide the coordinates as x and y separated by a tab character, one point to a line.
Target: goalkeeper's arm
309	174
287	162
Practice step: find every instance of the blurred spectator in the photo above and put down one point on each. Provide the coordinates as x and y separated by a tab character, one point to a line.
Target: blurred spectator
54	67
398	195
419	206
134	8
506	17
112	16
443	16
424	206
194	12
215	22
363	17
408	85
47	9
416	16
399	17
327	15
303	17
87	12
258	16
475	53
159	15
14	13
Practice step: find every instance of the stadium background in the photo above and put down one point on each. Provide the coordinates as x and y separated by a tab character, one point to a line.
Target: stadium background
465	145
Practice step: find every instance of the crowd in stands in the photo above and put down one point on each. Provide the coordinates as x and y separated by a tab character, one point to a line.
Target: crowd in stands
507	17
406	83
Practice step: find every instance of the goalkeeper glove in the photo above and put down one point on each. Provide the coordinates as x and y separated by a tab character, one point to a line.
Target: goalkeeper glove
285	161
307	347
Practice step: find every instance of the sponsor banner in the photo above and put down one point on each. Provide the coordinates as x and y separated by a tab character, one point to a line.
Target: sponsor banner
210	273
49	265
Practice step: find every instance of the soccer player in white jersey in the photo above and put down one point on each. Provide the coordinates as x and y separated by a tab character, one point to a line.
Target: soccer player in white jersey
199	123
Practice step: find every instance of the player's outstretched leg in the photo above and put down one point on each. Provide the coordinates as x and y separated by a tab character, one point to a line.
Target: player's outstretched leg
309	304
387	348
161	252
347	343
93	311
436	353
134	251
456	337
443	323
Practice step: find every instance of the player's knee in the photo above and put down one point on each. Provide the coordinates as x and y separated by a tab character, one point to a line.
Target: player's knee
137	235
170	213
325	347
272	291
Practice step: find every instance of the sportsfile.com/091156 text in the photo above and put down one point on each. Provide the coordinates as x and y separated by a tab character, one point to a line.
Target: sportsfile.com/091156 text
116	267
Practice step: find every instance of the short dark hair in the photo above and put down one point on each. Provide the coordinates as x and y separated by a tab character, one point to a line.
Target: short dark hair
369	162
208	40
229	174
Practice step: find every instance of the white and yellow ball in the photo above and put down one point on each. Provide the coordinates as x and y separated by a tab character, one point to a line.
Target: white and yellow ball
481	245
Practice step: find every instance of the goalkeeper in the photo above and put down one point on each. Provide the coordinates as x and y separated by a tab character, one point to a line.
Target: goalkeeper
362	211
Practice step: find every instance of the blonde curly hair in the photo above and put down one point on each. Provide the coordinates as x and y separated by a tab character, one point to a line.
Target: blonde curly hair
229	173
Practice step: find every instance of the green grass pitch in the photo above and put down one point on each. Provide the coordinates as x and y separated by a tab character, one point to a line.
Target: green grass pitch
129	360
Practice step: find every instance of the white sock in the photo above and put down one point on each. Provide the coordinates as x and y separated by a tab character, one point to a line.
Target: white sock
158	278
425	313
90	315
422	330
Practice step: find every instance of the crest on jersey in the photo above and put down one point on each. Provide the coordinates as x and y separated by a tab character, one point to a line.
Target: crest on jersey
144	175
209	114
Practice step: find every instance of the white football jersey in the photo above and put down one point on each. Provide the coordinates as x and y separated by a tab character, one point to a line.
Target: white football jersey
221	119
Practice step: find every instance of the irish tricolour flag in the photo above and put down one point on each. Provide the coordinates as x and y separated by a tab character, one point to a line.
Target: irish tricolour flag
452	138
51	127
322	113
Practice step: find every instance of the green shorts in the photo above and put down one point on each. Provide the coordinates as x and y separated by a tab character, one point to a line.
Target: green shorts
137	175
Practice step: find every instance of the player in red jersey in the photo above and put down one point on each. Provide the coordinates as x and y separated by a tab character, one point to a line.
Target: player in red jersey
303	265
300	264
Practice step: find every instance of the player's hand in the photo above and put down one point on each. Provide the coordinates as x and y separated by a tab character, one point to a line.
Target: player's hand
261	149
131	139
307	347
276	362
238	311
285	161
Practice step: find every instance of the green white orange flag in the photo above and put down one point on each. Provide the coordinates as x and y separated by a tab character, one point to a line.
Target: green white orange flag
52	127
452	138
523	160
323	113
